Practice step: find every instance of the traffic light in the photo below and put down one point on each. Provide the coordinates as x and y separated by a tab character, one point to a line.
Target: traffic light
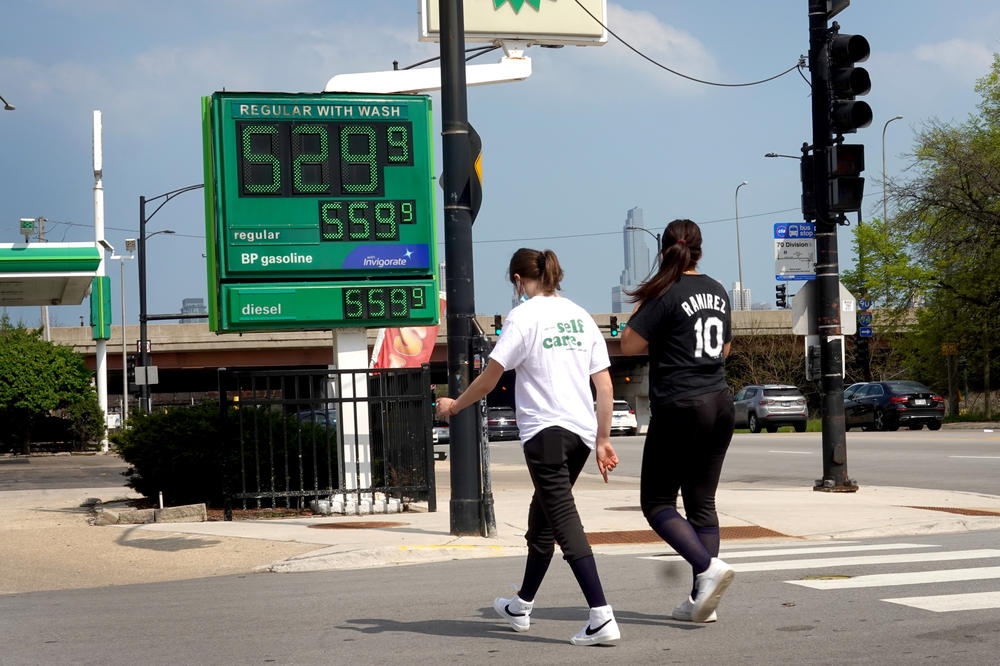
497	325
847	188
780	298
130	369
613	324
848	81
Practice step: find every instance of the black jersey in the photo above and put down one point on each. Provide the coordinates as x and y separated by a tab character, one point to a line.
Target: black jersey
686	327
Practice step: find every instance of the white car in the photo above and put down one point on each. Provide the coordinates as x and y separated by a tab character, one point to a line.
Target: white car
623	420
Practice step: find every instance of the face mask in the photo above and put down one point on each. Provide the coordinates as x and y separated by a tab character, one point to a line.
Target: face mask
518	294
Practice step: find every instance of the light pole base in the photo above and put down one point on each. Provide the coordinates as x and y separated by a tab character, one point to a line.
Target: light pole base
831	486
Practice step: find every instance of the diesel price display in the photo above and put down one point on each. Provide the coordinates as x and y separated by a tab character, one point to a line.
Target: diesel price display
318	189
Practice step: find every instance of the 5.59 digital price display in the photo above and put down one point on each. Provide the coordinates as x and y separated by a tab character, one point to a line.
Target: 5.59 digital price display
319	188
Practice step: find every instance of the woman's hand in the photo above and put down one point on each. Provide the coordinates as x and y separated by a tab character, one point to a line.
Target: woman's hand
607	459
444	408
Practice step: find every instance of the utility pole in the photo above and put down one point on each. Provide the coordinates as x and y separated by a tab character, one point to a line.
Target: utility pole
466	494
46	333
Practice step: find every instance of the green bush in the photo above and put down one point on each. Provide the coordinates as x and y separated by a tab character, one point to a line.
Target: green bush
85	421
180	452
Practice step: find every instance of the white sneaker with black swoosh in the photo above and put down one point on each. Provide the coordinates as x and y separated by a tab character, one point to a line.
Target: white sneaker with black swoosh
515	610
601	628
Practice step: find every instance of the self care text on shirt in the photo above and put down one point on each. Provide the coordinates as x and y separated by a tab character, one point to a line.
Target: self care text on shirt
574	326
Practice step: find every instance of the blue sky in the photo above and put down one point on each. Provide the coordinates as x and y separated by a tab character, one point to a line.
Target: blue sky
593	132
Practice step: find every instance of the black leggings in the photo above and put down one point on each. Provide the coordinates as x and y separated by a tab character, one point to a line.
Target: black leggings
684	450
555	457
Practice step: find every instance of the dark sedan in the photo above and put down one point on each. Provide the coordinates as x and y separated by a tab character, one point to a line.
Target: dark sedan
889	405
501	423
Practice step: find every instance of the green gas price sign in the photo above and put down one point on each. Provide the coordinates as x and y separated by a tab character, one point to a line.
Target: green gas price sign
318	190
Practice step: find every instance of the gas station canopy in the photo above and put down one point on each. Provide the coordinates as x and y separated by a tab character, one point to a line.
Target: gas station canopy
47	273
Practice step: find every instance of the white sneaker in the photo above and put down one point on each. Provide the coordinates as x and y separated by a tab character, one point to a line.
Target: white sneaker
600	629
685	609
711	583
515	610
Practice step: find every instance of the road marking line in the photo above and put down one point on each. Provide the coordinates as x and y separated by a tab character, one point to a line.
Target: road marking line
800	453
908	578
945	603
978	457
806	550
835	562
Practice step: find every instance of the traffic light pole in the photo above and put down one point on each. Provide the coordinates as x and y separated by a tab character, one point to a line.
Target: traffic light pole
457	156
827	304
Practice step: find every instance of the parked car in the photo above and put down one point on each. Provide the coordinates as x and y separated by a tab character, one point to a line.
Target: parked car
501	423
323	417
623	419
852	389
770	406
442	433
889	405
441	438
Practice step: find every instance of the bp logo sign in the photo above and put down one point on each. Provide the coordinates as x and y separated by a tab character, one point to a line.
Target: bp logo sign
517	4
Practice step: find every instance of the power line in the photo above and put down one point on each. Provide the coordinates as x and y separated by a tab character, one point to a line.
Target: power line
514	240
797	66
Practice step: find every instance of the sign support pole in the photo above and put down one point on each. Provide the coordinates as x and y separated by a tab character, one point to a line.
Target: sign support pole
350	347
835	477
465	474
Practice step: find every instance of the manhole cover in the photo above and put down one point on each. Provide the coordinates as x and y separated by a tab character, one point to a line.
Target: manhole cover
355	526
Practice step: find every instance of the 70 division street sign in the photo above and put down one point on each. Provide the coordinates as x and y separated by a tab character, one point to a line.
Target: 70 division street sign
319	211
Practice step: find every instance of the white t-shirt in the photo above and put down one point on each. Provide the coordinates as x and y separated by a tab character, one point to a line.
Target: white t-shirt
554	345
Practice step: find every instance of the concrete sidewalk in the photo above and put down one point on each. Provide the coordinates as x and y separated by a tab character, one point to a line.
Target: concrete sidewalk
46	541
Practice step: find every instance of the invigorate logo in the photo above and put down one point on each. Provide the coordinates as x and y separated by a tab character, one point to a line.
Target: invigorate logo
388	257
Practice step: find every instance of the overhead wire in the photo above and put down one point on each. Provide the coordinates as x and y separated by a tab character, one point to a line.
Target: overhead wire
797	66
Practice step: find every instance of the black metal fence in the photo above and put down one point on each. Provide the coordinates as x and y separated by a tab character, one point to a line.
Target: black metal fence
316	434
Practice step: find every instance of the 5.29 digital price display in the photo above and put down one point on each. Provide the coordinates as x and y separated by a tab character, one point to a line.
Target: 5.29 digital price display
305	158
319	189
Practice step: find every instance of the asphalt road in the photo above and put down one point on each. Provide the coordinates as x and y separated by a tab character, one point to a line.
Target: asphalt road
46	472
441	613
966	460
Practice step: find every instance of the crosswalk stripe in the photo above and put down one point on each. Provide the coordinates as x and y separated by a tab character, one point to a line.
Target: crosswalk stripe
834	562
806	550
944	603
908	578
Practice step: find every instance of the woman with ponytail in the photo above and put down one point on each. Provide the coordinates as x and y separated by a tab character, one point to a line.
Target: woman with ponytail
557	351
682	322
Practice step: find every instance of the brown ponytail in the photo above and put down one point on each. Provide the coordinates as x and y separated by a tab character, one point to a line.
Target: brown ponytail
534	265
680	251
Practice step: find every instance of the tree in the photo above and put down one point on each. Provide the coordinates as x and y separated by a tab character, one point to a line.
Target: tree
36	377
938	261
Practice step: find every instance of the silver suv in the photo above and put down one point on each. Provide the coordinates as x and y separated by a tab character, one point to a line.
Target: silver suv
770	406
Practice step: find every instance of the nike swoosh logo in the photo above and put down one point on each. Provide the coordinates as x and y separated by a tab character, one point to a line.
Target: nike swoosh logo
511	613
591	632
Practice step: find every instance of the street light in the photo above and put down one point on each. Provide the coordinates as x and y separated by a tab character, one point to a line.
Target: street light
143	218
791	157
655	237
7	106
739	250
885	205
143	355
130	248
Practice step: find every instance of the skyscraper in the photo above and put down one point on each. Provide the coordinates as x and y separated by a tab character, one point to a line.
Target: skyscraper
636	261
